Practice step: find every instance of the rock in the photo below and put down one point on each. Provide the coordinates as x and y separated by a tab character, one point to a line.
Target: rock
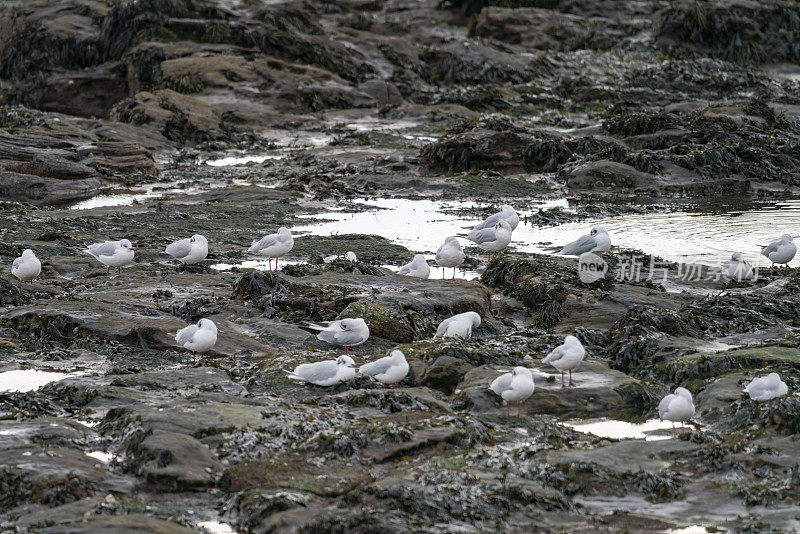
385	93
175	462
443	374
122	524
500	151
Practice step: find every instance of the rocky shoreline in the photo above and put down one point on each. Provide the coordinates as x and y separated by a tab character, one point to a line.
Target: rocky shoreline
232	118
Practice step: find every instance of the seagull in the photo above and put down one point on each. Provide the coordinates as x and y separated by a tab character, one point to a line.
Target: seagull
765	388
113	254
737	268
493	239
387	370
273	245
460	325
199	337
189	250
780	251
418	268
351	256
677	406
325	373
345	332
27	267
506	213
450	255
515	386
566	357
596	241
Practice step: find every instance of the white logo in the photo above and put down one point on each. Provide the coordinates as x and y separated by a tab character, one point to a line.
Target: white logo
591	267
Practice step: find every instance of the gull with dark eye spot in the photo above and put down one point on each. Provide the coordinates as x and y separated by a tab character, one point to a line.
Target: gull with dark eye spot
113	254
325	373
345	332
514	387
189	250
27	267
597	241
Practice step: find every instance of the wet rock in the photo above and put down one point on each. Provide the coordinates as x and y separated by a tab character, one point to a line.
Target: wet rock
45	190
443	374
500	151
122	524
170	461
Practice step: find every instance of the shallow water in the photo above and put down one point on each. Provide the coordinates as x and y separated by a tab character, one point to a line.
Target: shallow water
650	430
216	527
23	380
681	236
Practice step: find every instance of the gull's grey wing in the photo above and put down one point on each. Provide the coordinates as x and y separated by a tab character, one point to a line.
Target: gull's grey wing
405	269
180	249
443	327
555	355
489	222
663	406
318	372
16	263
347	337
502	383
265	242
377	367
769	249
186	334
583	244
103	249
483	236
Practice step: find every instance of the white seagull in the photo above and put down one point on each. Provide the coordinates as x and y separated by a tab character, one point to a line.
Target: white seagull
325	373
492	239
515	386
418	268
27	267
200	337
387	370
737	268
765	388
273	245
781	251
345	332
351	256
596	241
460	325
450	255
506	213
113	254
677	406
566	357
189	250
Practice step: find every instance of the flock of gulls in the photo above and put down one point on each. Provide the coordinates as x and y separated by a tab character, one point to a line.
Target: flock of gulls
492	235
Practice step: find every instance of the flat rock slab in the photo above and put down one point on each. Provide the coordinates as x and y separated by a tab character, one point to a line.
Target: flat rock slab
122	524
599	392
632	456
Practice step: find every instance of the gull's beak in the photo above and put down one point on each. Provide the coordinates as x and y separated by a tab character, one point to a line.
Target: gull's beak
352	365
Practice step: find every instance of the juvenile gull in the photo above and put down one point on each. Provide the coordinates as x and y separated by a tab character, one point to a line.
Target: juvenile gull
387	370
596	241
273	245
325	373
189	250
345	332
781	251
27	267
506	213
200	337
492	239
113	254
765	388
460	325
450	255
418	268
677	406
566	357
515	386
737	268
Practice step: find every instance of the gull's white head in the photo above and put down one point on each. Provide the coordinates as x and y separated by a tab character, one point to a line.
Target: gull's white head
124	243
197	238
345	361
283	230
520	371
207	324
503	224
683	392
27	253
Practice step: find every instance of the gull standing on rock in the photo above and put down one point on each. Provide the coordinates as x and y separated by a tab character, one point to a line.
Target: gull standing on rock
596	241
677	406
450	255
781	251
325	373
113	254
515	386
418	268
345	332
460	325
189	250
387	370
506	213
766	388
566	357
273	246
492	239
27	267
737	268
198	338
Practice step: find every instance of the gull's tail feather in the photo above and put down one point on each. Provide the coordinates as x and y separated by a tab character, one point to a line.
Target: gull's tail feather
291	375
